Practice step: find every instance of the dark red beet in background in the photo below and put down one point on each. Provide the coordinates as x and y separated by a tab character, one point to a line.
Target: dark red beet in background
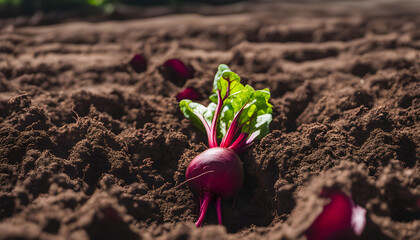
139	63
176	71
340	219
189	93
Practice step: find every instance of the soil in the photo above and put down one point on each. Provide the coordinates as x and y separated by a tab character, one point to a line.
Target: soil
91	149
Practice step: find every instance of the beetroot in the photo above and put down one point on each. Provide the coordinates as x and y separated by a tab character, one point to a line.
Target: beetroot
215	173
176	71
139	63
236	111
188	93
340	219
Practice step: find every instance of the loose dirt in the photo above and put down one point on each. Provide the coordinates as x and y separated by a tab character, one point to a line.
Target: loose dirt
90	149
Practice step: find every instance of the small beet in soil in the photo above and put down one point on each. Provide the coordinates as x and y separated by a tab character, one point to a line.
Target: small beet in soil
340	219
189	93
176	71
138	63
215	173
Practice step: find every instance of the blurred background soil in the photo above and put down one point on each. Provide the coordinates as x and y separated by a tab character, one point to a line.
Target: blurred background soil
91	149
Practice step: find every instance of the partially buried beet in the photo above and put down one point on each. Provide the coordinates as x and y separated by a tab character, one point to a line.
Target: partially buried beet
188	93
340	219
237	115
139	63
176	71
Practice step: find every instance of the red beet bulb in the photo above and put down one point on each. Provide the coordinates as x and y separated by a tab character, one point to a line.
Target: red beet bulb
215	173
188	93
176	71
340	219
139	63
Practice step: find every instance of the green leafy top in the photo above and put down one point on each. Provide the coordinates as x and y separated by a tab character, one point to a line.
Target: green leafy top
235	106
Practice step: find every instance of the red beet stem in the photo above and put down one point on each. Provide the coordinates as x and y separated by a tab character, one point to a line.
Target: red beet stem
213	128
240	142
219	209
203	209
227	139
